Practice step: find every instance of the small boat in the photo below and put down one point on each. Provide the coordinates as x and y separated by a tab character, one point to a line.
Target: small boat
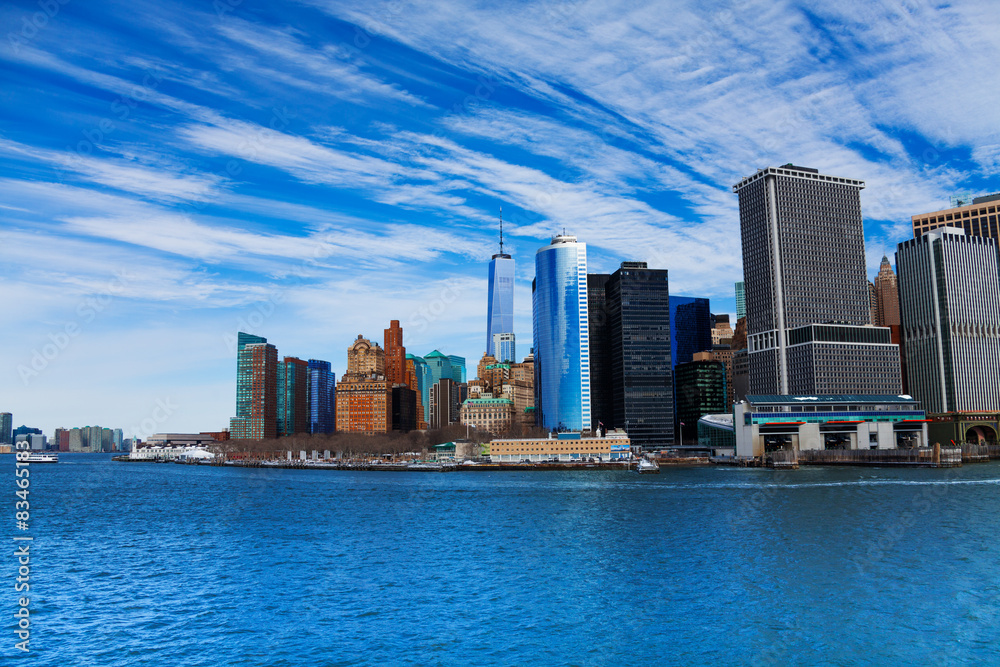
38	457
647	467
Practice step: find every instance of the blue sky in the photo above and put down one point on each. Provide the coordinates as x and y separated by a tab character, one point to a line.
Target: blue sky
307	171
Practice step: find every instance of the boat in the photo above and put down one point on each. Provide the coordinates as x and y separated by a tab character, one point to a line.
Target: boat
647	467
39	457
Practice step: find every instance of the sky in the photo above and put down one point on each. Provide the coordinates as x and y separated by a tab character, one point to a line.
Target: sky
172	173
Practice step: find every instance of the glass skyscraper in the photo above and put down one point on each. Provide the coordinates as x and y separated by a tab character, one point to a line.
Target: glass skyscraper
505	347
423	374
457	367
256	389
322	397
638	306
293	392
6	427
741	301
561	335
690	328
500	304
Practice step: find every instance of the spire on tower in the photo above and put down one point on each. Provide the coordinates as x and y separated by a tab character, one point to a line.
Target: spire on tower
501	230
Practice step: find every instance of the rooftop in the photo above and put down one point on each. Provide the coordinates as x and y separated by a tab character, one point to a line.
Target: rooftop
777	399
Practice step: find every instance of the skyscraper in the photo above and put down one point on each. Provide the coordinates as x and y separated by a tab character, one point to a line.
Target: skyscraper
978	218
500	303
886	296
364	397
256	390
422	377
950	303
690	327
561	335
601	405
244	390
293	393
322	397
701	390
505	347
395	354
457	367
6	428
638	303
741	301
439	368
808	309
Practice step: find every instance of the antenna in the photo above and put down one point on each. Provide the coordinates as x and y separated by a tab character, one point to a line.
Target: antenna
501	230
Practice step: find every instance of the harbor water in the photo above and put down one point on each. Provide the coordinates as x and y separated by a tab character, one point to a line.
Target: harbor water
162	564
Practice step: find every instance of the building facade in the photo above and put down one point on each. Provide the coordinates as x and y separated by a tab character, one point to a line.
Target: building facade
563	447
500	300
446	401
293	396
690	327
741	301
561	335
886	296
256	391
638	302
978	218
457	368
6	428
601	405
505	346
395	354
322	397
795	423
804	264
365	358
494	415
423	380
700	385
950	303
364	404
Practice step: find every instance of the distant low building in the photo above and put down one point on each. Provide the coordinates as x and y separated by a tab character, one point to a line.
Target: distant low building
170	453
494	415
563	446
180	440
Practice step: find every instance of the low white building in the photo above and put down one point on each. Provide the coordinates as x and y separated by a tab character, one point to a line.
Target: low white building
171	453
799	423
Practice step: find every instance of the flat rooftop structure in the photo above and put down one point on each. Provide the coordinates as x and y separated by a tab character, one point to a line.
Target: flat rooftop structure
778	399
797	172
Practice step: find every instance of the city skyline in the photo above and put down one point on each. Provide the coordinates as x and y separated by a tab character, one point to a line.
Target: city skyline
313	173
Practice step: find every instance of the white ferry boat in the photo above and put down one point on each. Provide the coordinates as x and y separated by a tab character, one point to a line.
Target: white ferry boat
42	457
647	467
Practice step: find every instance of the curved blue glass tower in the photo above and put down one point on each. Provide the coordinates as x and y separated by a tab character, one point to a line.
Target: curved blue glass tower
561	335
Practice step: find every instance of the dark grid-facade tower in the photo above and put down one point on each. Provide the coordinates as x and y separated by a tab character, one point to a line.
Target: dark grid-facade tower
804	264
638	303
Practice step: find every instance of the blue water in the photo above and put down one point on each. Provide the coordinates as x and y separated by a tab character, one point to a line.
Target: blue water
144	564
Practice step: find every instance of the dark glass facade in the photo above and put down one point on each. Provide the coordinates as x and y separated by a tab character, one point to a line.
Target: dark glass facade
601	407
322	397
690	328
293	392
701	390
638	302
